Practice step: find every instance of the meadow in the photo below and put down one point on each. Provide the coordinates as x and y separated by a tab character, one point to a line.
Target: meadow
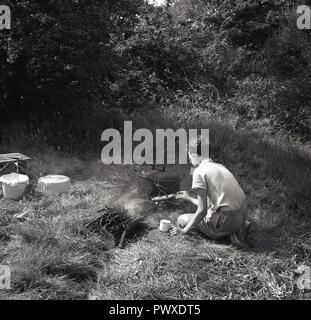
53	256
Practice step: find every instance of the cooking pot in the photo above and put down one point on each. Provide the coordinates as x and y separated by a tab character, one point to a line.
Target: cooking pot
155	180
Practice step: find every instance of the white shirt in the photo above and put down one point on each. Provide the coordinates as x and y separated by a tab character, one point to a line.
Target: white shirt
222	188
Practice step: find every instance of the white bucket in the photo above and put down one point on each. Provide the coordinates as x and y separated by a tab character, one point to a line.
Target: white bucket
165	225
54	184
14	185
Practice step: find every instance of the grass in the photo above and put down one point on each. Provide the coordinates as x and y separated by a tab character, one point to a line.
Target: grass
52	256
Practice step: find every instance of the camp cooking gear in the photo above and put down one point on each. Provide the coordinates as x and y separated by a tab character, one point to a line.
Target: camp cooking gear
154	180
164	198
14	185
165	225
13	162
54	184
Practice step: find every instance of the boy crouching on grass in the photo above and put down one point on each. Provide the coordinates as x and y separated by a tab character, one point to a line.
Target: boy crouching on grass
221	203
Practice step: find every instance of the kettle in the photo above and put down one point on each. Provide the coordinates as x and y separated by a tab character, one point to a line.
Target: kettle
155	180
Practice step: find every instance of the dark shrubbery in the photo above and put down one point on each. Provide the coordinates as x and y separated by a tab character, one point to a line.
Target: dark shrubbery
67	64
57	62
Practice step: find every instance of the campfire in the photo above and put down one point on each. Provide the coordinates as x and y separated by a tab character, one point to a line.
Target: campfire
123	222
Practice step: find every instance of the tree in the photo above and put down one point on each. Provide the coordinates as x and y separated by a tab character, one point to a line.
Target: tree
58	60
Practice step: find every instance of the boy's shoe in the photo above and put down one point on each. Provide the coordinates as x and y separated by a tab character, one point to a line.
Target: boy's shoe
244	230
237	241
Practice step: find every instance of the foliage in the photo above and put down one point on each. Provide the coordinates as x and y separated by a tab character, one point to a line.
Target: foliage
58	62
67	64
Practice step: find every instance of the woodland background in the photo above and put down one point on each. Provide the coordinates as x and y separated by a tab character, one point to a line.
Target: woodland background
68	64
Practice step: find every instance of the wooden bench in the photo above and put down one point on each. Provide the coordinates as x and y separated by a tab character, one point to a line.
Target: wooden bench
13	162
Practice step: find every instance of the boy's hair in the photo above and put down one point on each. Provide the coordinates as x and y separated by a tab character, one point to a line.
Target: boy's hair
196	145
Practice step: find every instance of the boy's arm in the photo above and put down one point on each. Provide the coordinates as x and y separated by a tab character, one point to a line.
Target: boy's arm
193	200
185	195
201	211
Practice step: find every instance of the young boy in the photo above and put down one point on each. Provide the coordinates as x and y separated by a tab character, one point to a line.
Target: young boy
221	204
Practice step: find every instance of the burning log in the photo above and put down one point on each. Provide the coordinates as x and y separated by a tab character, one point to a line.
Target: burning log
121	222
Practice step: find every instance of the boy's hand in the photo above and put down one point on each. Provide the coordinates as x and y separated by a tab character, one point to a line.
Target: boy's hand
176	230
184	195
